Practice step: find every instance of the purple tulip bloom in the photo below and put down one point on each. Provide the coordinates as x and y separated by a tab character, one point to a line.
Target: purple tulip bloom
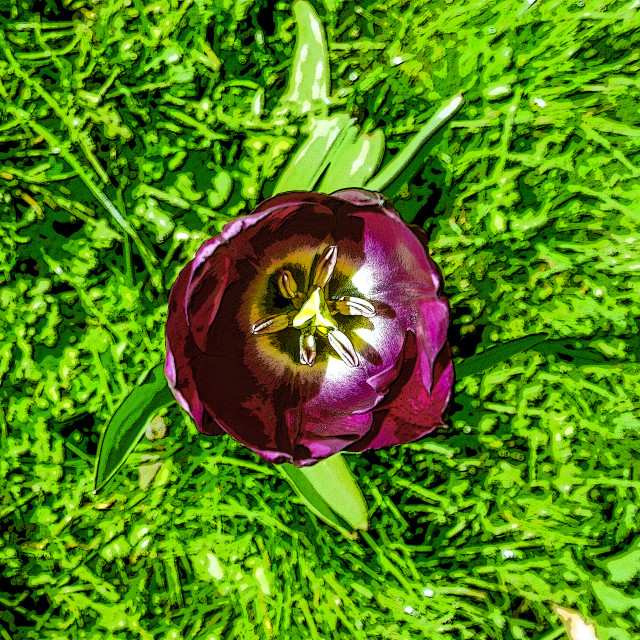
314	325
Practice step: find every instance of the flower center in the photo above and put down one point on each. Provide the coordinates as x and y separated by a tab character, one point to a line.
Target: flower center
313	313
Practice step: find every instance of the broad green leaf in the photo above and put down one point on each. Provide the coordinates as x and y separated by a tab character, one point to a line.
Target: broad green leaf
483	361
310	77
333	480
305	169
329	489
354	162
402	159
128	424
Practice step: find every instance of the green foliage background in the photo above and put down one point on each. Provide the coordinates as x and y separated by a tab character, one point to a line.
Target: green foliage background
531	196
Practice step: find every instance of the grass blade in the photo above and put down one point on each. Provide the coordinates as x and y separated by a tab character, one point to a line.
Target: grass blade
488	359
402	159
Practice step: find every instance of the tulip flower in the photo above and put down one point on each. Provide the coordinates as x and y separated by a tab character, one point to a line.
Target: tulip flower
312	326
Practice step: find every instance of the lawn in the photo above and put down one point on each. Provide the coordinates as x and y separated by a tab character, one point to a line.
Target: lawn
131	132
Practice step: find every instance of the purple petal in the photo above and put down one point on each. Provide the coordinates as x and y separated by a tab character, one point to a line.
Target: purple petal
409	412
431	332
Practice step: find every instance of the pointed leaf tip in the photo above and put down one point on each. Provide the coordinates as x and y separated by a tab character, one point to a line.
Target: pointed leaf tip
330	490
310	77
128	424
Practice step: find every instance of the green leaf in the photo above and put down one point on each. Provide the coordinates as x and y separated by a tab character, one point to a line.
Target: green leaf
310	77
483	361
305	169
354	161
330	491
128	424
403	158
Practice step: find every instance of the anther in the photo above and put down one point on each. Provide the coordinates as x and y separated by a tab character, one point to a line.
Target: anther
271	324
343	347
289	289
350	306
313	314
287	284
324	268
307	348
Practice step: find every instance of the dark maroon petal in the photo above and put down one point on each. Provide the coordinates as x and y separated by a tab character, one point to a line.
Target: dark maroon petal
273	414
246	390
205	292
178	372
340	390
249	410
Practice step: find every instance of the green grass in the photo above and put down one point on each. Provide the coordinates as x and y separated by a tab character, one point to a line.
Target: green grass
531	197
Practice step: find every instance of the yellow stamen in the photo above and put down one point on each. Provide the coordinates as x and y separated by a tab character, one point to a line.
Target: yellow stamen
313	314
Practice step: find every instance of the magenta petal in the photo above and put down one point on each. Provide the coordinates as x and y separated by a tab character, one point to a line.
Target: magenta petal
410	411
410	401
274	457
431	332
327	438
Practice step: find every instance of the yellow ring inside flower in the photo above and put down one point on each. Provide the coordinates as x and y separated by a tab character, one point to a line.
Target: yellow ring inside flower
275	313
